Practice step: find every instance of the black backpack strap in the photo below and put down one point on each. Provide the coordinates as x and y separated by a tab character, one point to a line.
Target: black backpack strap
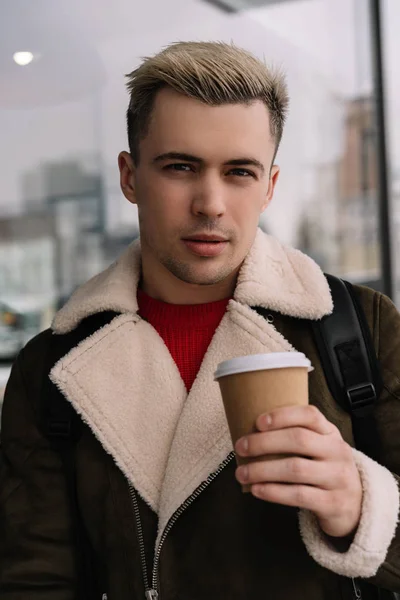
351	369
350	364
63	427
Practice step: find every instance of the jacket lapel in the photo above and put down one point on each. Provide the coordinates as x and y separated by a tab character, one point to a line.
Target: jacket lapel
127	388
202	439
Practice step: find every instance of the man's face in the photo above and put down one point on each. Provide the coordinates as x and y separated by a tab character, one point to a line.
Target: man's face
203	179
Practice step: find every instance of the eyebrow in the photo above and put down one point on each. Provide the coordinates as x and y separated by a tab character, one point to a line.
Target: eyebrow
238	162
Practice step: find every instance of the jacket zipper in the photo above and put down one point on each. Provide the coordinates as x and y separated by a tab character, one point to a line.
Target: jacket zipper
151	588
150	594
357	591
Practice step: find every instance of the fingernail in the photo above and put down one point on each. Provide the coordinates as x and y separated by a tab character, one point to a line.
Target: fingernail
242	473
242	446
256	491
267	420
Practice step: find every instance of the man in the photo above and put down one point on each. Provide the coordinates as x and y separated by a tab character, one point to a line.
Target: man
157	485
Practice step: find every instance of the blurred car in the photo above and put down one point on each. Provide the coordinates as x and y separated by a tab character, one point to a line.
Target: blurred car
21	318
10	334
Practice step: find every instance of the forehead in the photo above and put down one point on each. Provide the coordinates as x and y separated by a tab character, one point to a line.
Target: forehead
185	124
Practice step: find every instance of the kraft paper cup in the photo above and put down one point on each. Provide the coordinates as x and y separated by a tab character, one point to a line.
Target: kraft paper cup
259	383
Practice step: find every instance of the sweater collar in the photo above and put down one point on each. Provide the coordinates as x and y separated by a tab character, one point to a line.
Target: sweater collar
160	313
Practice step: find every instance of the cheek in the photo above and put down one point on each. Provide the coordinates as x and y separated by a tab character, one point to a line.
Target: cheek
163	196
163	208
246	209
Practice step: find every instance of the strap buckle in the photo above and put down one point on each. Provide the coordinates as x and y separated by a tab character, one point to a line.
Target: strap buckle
361	398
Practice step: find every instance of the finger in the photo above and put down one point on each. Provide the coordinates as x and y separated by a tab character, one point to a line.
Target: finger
300	496
296	440
296	416
292	470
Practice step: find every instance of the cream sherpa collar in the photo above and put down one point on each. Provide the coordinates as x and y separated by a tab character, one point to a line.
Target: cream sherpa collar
273	276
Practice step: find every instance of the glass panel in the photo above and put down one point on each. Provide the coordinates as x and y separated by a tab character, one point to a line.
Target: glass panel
62	122
328	183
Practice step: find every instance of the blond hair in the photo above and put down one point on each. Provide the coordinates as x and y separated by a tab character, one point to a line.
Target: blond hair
215	73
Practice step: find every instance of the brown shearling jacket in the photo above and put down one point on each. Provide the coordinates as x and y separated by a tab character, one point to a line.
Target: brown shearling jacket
149	448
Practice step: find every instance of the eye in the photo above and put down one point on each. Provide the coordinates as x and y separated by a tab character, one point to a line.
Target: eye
241	173
181	167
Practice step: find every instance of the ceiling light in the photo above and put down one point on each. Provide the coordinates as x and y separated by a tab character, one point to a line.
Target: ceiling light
23	58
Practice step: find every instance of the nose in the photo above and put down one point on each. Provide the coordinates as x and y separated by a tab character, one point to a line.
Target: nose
209	197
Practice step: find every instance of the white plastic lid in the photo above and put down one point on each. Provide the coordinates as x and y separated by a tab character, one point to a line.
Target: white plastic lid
261	362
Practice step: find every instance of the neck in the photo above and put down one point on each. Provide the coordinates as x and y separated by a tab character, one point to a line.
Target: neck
160	284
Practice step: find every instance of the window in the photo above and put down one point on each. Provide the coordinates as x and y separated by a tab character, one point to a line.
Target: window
62	122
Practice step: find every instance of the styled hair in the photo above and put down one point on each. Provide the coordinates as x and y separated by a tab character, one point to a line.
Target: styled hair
215	73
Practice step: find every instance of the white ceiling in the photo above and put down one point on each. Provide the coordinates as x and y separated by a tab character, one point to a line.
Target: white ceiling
66	39
75	40
66	64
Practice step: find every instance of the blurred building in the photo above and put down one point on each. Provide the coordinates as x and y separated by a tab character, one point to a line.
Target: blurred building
358	192
28	290
339	229
72	194
70	177
318	229
27	256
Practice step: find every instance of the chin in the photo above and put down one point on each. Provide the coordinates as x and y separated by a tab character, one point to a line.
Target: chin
204	277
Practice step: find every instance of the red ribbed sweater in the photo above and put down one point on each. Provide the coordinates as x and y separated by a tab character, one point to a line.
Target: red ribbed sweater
187	330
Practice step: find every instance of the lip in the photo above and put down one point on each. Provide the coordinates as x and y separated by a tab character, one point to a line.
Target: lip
205	248
205	237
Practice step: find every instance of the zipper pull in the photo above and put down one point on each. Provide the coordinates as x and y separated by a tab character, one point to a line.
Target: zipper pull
357	590
151	595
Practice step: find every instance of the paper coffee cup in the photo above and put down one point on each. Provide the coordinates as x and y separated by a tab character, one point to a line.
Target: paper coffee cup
259	383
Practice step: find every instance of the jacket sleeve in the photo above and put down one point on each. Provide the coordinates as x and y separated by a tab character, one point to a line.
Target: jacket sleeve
37	559
374	552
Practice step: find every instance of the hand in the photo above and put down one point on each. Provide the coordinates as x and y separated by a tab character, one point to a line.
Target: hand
321	476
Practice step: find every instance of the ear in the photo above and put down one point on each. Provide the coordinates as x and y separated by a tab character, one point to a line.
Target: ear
127	171
273	178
